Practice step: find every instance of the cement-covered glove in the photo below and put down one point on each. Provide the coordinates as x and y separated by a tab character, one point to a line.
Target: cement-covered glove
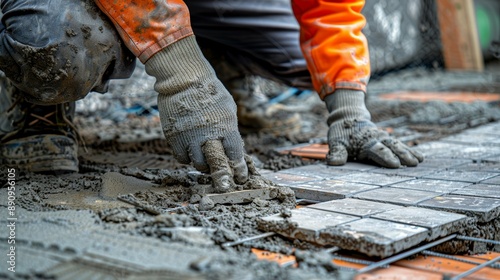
353	135
195	107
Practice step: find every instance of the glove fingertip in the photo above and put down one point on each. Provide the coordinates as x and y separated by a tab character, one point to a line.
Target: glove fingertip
233	146
337	155
418	155
240	170
382	155
181	154
198	159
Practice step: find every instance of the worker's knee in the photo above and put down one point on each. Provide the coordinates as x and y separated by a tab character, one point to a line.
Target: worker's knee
59	51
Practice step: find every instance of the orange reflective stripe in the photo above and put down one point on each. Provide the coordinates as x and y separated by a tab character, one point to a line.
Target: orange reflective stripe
332	43
147	27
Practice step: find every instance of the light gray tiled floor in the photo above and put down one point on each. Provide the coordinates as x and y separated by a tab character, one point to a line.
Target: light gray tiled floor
397	209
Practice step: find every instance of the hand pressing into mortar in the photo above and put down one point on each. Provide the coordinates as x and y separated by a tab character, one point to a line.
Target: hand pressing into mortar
353	135
193	104
198	113
226	173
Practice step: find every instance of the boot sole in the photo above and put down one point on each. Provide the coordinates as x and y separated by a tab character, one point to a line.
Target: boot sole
41	154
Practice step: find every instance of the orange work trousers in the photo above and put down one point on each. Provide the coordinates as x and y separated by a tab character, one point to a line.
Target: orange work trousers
332	43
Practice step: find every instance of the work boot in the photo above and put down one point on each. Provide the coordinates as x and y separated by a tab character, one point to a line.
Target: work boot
256	113
40	139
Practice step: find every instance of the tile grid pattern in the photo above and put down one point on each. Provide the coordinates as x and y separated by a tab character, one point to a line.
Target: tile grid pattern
381	212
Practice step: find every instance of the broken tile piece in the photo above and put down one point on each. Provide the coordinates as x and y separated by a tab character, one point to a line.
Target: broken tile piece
304	223
328	189
431	185
484	209
374	237
356	207
439	223
483	190
373	178
404	197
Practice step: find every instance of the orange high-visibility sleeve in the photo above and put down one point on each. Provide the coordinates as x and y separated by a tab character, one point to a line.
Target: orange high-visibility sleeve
335	49
147	27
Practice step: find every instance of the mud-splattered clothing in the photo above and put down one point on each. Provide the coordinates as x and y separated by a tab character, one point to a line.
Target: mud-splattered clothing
148	26
58	51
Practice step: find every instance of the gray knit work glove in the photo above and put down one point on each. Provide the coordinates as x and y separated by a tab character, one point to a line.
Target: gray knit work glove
353	135
195	107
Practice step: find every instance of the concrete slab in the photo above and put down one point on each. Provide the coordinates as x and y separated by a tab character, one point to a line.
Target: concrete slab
484	209
328	189
473	138
433	150
355	166
305	223
44	241
356	207
29	261
482	190
417	171
374	237
373	178
285	179
320	171
397	196
462	176
439	223
483	166
440	149
491	159
492	181
473	152
492	128
442	163
430	185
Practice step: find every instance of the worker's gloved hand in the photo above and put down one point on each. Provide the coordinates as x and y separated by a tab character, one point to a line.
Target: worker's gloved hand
195	108
353	135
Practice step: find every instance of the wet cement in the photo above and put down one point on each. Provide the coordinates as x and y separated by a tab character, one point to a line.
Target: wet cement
163	210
